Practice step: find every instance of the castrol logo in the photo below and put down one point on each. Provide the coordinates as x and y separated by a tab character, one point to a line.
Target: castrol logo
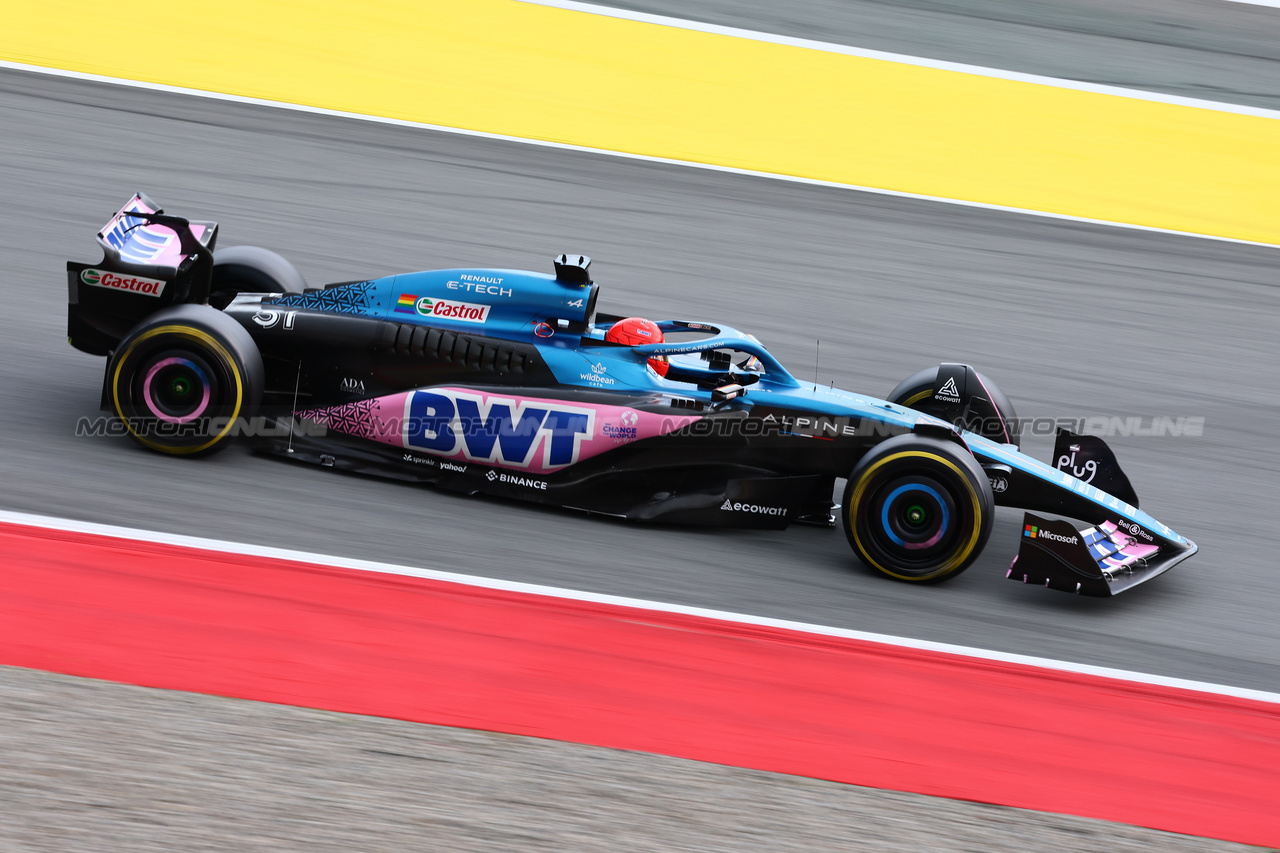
129	283
465	311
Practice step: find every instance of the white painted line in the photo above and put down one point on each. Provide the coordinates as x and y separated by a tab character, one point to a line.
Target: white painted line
1274	4
777	176
219	546
919	61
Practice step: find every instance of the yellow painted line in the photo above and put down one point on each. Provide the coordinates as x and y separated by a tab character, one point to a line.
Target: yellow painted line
569	77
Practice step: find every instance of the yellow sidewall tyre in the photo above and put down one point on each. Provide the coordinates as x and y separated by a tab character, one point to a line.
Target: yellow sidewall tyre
185	380
918	509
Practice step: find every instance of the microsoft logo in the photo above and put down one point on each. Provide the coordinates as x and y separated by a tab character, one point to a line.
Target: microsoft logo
1030	531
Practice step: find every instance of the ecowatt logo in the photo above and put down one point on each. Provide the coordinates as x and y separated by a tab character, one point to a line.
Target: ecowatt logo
734	506
948	392
128	283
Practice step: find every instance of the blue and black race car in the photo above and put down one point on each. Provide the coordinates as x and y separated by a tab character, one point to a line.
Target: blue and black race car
511	383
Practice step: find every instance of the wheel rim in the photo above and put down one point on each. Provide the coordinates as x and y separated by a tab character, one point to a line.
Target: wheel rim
916	516
177	390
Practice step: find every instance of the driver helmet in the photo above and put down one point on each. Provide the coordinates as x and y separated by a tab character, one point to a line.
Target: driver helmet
637	331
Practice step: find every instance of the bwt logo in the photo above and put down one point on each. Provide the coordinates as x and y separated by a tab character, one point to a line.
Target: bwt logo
496	430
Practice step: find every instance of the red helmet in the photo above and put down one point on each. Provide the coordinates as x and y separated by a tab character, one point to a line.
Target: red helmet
637	331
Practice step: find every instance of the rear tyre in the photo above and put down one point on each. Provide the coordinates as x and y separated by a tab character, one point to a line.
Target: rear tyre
918	509
251	269
183	377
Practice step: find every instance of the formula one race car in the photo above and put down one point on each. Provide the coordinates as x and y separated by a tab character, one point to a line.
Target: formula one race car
509	383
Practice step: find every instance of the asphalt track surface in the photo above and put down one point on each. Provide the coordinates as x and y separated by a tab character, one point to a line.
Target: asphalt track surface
1209	49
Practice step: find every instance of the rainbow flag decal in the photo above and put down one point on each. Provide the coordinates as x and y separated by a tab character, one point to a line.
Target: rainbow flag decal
405	303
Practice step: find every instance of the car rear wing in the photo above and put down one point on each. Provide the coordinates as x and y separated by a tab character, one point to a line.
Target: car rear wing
158	246
150	260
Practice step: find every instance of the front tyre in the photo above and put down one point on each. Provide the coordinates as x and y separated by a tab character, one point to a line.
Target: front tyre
918	392
918	509
182	379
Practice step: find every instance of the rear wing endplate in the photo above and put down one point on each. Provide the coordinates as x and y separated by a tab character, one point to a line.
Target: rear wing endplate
150	260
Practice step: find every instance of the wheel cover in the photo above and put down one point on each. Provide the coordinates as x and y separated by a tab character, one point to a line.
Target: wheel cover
177	389
915	515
